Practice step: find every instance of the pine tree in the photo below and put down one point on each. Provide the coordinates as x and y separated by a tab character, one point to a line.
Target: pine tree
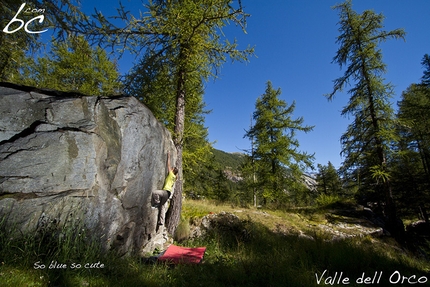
279	165
366	143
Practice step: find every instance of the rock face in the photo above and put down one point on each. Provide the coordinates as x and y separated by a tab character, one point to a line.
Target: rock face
222	222
65	156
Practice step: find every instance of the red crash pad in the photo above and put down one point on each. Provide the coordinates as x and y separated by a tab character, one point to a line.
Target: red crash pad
177	254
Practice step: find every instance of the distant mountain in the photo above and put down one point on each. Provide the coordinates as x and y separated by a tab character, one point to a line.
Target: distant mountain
227	160
230	163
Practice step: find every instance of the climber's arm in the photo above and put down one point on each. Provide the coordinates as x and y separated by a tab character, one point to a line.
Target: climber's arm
169	167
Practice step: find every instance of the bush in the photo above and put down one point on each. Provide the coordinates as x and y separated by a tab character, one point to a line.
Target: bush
324	200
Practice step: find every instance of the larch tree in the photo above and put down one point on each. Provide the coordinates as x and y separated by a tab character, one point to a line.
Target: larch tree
72	66
414	121
279	164
16	42
152	84
366	143
413	160
328	180
426	64
184	37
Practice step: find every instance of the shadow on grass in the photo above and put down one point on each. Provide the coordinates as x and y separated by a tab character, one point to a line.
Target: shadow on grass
259	257
251	255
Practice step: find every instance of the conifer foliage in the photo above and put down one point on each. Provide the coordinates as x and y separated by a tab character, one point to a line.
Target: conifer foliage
183	39
72	65
329	181
63	16
412	165
366	143
279	164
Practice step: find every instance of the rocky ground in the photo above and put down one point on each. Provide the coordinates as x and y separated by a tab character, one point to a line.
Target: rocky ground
332	226
336	224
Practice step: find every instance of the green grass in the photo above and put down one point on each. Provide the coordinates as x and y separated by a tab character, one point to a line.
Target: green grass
267	250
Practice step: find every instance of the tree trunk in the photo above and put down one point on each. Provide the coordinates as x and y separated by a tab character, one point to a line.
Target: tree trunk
174	212
424	155
394	223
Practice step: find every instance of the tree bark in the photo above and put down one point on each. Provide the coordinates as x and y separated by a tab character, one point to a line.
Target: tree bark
394	223
174	212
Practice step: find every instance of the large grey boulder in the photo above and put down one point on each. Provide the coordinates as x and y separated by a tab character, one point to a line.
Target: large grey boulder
66	156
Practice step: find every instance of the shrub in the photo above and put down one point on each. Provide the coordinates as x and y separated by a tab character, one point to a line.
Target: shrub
327	200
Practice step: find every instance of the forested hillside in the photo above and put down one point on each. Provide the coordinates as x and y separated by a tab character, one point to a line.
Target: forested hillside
219	178
232	161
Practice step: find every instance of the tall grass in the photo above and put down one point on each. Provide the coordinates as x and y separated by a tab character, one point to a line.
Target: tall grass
48	253
253	254
268	259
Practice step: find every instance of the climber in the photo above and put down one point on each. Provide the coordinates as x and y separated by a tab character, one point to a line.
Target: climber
160	197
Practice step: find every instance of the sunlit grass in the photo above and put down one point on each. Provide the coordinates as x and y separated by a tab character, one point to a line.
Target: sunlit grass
18	276
274	253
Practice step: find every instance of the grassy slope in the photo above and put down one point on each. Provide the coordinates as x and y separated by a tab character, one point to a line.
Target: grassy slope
280	249
291	248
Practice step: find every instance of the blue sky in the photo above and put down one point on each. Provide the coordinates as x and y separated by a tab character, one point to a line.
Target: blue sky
294	44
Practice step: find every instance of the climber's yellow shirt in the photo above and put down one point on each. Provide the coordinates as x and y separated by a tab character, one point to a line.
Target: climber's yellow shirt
169	181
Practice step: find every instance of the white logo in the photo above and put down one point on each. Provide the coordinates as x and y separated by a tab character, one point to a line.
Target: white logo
22	23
